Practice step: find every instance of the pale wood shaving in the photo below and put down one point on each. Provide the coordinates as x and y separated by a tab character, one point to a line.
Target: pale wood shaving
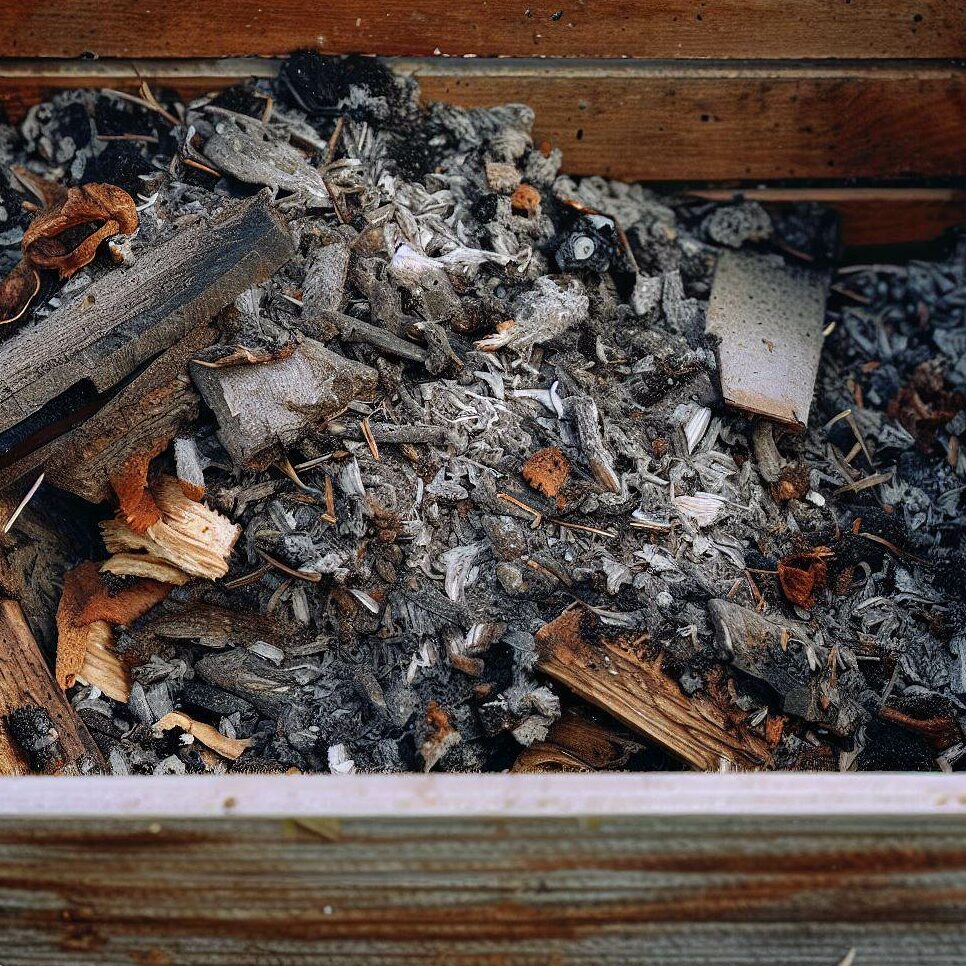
211	737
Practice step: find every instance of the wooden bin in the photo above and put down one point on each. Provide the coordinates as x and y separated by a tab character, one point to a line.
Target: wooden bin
859	103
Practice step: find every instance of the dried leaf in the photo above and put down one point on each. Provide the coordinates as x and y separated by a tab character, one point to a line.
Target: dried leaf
105	205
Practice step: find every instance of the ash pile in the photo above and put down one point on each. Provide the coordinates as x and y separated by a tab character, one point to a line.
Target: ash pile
448	468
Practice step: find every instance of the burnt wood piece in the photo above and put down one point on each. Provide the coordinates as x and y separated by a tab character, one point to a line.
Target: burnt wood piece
34	556
146	414
218	627
261	408
774	653
26	684
702	730
84	350
661	29
769	319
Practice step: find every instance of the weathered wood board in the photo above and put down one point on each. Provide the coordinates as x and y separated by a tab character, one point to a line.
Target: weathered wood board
660	29
744	122
769	319
26	681
470	888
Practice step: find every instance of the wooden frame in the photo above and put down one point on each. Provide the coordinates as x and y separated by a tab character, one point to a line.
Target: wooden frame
858	104
653	869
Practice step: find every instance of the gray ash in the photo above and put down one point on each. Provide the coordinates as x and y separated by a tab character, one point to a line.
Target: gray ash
397	559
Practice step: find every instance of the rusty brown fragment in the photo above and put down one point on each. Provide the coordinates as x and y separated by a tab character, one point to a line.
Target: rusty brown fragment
106	206
138	507
85	602
18	290
547	471
804	575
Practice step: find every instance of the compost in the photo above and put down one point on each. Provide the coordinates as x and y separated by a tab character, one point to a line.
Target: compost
344	433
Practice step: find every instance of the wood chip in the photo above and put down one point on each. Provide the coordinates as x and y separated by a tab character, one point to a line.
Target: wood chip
700	730
189	535
212	738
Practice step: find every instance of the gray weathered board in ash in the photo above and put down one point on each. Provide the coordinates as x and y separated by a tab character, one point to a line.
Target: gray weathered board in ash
769	318
133	313
607	891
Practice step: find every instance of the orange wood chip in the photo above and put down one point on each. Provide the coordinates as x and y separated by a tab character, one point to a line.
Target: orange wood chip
547	471
86	601
138	507
525	200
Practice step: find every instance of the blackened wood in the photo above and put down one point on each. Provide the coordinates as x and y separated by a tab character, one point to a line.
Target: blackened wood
147	413
774	653
26	682
135	312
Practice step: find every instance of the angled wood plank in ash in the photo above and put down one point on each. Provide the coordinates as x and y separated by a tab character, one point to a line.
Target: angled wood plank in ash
25	683
702	729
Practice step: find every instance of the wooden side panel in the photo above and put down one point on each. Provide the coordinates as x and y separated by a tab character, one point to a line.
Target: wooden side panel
582	28
659	890
717	123
664	123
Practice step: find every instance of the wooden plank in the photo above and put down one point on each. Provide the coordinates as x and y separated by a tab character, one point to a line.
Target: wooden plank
925	799
133	313
619	28
26	683
661	122
769	321
668	890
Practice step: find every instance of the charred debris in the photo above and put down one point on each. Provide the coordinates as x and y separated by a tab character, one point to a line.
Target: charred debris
368	442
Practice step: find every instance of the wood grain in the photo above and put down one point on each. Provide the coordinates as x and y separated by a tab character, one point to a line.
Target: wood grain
662	890
25	681
660	122
702	730
616	28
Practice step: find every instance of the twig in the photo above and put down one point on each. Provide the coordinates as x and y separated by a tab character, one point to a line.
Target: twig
251	578
23	503
370	439
201	167
310	576
537	515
